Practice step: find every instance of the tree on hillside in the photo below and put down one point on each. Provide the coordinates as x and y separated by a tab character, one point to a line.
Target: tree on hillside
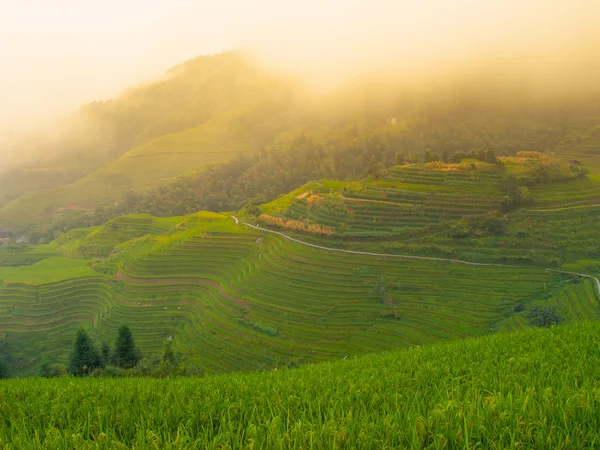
3	369
373	167
126	354
491	157
427	156
400	160
105	351
168	356
459	156
445	157
543	317
85	356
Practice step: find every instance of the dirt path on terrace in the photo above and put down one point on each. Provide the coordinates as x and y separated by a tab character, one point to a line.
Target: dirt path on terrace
202	281
356	252
386	255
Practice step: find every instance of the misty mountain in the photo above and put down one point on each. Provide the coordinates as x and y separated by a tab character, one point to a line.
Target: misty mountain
218	132
186	97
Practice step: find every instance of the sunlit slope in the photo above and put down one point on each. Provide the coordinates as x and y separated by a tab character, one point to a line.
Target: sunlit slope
403	200
187	96
141	168
97	242
234	298
422	211
560	226
530	389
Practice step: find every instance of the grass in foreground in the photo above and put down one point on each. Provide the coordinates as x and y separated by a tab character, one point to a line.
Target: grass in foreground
531	389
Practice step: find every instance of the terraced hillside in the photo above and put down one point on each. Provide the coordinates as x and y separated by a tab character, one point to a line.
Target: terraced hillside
440	262
236	298
576	301
560	226
406	198
145	167
432	211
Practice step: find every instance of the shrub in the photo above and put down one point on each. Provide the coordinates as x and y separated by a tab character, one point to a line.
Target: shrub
271	331
543	317
3	369
109	372
48	370
146	366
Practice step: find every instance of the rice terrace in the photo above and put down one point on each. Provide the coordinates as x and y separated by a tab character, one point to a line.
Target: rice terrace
354	244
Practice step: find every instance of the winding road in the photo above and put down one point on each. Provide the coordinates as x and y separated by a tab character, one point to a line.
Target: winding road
355	252
387	255
580	275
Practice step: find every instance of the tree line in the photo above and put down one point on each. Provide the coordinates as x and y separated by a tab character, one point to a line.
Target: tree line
124	359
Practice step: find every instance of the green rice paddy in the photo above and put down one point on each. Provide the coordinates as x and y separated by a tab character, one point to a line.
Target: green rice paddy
234	298
528	389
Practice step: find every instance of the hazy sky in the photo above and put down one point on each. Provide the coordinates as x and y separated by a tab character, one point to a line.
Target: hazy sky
57	54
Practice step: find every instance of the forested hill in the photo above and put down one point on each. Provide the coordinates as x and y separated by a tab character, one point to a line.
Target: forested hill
219	133
356	147
185	97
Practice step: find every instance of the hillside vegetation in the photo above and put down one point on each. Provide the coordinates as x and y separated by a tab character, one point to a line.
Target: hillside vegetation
142	168
140	139
473	210
368	221
529	389
262	136
235	298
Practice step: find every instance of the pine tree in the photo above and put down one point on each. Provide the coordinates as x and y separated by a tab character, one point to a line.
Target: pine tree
126	354
85	356
445	157
105	351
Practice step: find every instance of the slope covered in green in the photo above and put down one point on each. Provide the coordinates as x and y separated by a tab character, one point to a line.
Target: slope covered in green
206	110
529	389
468	211
235	298
153	139
140	169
